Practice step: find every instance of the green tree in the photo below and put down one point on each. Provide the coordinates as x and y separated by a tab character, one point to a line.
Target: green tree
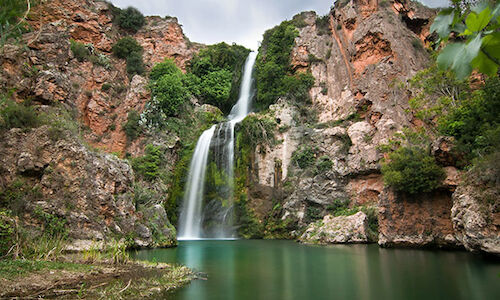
135	65
475	42
131	19
132	128
168	66
169	93
148	166
125	47
412	170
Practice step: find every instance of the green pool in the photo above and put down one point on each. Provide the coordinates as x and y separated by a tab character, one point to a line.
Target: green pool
260	269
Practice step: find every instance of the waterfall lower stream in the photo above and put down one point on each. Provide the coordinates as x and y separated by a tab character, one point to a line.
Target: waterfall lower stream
212	217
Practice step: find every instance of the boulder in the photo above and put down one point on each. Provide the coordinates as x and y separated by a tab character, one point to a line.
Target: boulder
338	230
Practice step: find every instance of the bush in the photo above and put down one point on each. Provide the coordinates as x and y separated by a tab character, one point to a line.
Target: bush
215	88
148	166
131	19
132	128
323	24
80	51
7	228
304	157
274	75
216	73
125	47
166	67
323	164
169	93
475	124
15	115
412	170
135	64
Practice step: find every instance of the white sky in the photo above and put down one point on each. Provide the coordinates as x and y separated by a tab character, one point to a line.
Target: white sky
239	21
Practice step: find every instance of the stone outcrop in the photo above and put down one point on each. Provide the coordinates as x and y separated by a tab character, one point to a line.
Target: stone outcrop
417	220
476	213
367	47
91	191
102	93
338	230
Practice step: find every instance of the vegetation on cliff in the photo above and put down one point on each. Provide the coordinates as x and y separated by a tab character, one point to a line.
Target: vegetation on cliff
274	74
215	74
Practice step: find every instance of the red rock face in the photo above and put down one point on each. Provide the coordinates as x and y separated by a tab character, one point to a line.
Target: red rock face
65	79
417	220
370	50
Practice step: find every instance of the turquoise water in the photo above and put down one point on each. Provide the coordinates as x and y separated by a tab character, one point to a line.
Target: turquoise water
259	269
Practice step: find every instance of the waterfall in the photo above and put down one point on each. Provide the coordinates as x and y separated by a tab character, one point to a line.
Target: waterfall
216	142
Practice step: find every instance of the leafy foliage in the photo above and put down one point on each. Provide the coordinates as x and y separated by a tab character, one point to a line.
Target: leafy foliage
274	75
125	47
478	42
12	22
412	170
131	19
135	65
80	51
304	157
132	128
148	166
169	93
475	123
129	49
17	115
257	130
216	74
323	164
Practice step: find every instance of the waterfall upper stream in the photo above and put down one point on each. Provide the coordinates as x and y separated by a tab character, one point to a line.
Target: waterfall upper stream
215	148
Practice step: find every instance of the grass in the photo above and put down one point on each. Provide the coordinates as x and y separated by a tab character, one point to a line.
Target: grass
12	269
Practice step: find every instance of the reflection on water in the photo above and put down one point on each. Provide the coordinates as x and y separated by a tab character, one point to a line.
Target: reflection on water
258	269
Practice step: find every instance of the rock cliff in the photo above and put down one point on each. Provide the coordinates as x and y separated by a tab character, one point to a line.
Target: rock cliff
356	58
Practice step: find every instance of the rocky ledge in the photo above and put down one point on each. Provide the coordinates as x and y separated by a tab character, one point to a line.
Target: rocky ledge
338	230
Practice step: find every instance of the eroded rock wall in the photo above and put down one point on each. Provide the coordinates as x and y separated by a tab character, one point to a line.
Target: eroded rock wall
102	93
91	190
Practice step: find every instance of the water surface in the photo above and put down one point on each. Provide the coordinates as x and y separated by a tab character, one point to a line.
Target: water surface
259	269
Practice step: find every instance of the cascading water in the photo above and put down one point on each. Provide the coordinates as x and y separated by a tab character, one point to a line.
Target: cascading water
219	140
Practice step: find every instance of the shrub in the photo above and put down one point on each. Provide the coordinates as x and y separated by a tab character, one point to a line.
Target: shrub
169	93
132	128
148	166
131	19
221	65
412	170
166	67
256	130
273	62
274	75
106	86
7	228
304	157
80	51
125	47
323	164
135	64
323	24
475	124
16	115
215	88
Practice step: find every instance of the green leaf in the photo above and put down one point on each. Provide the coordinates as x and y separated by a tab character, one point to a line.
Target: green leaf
442	23
459	56
484	64
447	56
491	44
477	22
